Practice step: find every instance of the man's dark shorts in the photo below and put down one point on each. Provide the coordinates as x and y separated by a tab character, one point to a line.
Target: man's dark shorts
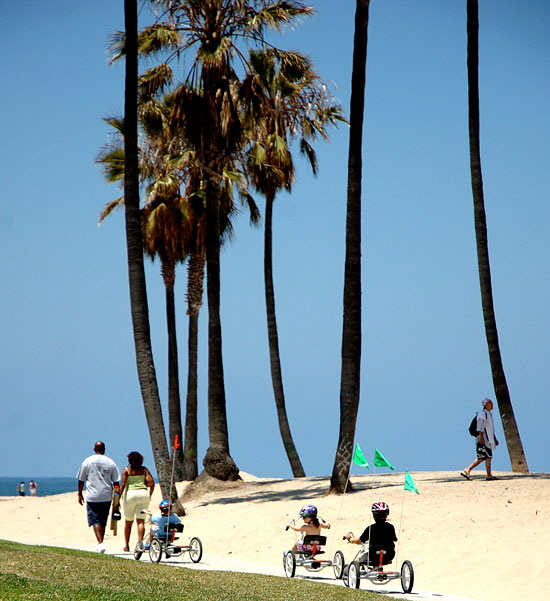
98	513
483	452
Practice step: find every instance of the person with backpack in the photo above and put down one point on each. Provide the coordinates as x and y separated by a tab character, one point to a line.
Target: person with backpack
486	441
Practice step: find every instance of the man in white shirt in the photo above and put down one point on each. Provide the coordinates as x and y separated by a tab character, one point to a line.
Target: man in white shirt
101	475
486	441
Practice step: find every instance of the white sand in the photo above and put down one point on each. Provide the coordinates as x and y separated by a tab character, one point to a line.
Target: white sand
485	540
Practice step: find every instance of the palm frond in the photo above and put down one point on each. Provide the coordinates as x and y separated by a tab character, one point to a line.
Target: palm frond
307	150
157	38
276	15
116	123
154	81
112	163
116	46
110	207
248	200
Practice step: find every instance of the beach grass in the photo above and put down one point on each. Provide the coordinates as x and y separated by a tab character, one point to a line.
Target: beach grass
40	573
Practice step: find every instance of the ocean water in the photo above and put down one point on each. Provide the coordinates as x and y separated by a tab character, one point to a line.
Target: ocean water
45	486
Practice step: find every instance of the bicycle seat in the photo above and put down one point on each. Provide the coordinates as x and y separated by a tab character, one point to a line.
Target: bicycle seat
173	528
314	539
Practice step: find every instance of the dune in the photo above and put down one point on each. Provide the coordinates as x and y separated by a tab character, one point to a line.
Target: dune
485	540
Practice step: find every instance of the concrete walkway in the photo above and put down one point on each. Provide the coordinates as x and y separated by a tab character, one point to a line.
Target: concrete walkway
392	589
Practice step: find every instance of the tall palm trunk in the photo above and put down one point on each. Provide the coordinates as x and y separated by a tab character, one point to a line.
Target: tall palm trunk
217	461
136	272
351	332
273	337
511	432
174	400
195	277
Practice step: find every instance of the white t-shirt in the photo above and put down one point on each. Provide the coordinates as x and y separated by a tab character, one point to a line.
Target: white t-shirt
99	472
485	424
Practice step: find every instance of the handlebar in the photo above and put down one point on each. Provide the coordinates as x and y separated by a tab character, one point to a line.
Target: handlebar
350	534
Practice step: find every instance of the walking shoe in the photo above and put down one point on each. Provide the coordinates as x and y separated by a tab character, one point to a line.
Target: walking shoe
101	548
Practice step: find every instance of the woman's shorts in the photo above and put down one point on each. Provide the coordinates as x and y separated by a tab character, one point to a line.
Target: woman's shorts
98	513
483	452
133	503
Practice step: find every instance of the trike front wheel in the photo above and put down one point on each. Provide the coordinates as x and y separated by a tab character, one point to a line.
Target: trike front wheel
289	564
138	551
354	574
155	550
338	564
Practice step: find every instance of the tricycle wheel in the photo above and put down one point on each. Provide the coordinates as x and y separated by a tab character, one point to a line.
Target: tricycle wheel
338	564
155	551
345	573
354	574
138	550
289	564
195	549
407	576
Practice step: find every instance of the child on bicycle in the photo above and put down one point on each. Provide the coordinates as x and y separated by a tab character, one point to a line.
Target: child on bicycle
380	536
312	526
158	522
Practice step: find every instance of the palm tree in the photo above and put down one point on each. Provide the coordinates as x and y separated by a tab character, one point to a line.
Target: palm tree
511	432
195	279
162	224
351	333
163	231
169	225
206	108
286	100
136	273
168	232
173	228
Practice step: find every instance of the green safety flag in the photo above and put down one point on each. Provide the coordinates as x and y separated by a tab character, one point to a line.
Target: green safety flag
359	458
409	483
381	461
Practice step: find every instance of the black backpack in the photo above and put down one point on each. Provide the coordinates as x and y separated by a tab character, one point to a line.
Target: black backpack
473	426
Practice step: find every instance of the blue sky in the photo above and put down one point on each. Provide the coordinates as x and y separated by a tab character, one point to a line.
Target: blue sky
68	372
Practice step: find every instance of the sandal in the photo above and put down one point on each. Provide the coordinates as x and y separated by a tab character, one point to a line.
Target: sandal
465	475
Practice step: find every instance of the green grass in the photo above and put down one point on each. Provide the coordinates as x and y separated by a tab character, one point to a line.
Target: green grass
29	573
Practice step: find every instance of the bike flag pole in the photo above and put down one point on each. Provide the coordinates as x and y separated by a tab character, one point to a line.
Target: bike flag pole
359	459
410	485
175	446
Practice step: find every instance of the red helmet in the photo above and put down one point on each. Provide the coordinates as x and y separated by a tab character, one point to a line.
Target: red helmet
380	509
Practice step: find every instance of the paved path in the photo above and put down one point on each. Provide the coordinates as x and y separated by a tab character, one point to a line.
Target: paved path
392	589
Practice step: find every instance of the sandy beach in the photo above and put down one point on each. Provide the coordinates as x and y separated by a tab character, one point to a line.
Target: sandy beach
488	541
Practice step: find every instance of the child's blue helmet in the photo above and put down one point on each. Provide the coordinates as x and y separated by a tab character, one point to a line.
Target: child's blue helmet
164	505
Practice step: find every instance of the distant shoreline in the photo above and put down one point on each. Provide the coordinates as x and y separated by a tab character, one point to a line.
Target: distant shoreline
46	486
